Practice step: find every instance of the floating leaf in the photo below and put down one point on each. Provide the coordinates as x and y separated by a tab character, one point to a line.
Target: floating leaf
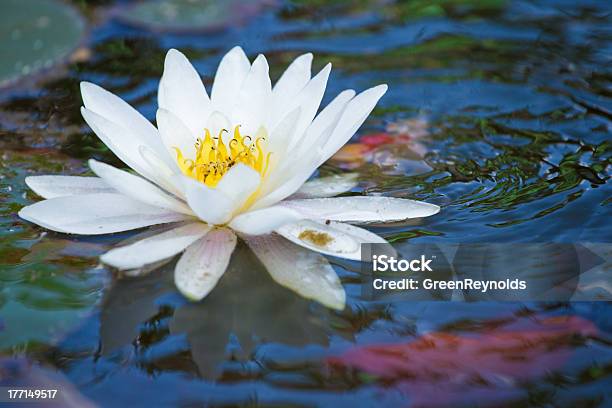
188	15
35	34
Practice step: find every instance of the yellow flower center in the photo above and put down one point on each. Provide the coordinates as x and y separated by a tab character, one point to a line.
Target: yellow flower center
213	158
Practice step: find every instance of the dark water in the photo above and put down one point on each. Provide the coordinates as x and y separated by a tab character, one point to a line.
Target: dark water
500	112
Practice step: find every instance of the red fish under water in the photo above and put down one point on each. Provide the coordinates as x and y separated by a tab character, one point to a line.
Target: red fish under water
441	368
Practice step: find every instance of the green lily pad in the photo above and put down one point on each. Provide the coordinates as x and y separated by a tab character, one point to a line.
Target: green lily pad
34	35
189	15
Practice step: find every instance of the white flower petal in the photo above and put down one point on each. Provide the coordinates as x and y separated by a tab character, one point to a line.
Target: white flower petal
209	204
341	240
300	162
217	205
295	77
252	104
364	237
175	134
93	214
60	186
137	188
182	92
309	100
356	112
288	186
263	221
104	103
233	69
239	183
215	123
112	107
161	173
120	141
362	209
307	273
204	262
325	187
326	121
155	248
277	140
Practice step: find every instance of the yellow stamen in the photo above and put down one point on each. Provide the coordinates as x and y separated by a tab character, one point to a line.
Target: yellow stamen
213	157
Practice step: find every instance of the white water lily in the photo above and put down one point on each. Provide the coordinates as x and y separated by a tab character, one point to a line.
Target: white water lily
234	162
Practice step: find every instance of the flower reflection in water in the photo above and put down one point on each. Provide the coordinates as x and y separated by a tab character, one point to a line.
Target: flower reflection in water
247	308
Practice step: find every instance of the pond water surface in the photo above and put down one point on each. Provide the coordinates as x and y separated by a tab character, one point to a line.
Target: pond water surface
499	112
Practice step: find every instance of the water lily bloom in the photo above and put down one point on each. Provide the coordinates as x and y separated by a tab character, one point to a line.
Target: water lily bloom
232	163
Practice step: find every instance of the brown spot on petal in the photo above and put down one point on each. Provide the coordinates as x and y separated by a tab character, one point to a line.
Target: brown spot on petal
317	238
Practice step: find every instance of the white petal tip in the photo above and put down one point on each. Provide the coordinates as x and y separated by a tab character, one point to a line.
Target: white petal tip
338	302
260	63
109	259
85	85
28	214
305	59
191	293
430	209
23	214
92	163
89	91
236	51
29	180
192	297
337	306
173	52
380	89
173	57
